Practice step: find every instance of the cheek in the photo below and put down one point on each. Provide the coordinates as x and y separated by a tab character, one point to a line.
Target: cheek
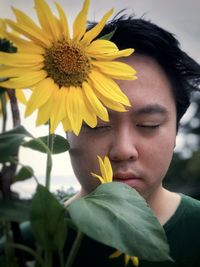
83	154
159	156
83	163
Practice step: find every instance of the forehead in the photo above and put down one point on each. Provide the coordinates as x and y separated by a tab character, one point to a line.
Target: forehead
152	87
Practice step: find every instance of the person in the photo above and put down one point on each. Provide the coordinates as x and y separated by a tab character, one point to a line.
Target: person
141	141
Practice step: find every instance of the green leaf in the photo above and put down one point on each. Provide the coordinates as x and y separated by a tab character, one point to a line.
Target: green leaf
60	144
116	215
10	142
108	36
48	220
24	173
14	210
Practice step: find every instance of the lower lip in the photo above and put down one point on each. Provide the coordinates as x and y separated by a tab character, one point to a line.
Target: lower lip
133	182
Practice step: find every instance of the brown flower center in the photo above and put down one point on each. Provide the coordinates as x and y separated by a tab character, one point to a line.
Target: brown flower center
66	63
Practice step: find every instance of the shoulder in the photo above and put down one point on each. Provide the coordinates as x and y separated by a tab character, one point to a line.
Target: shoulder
187	213
190	206
183	232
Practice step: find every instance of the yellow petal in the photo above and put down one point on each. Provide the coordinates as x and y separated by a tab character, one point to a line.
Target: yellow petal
2	24
23	19
98	177
102	168
40	95
20	59
79	25
2	33
114	55
91	34
58	113
45	110
63	21
116	254
126	259
110	103
116	70
29	79
108	167
74	108
66	124
24	46
20	96
135	261
97	106
38	38
85	113
101	47
108	88
6	71
89	115
47	19
2	28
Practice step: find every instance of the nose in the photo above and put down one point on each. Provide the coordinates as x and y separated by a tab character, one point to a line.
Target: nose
124	145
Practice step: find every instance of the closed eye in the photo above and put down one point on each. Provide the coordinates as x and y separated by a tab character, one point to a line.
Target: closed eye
97	128
153	126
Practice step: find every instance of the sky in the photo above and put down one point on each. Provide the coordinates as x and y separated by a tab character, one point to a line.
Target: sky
181	17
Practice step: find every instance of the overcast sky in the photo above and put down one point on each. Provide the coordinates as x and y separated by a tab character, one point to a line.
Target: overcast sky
180	17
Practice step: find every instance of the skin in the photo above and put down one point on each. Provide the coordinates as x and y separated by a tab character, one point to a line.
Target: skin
139	142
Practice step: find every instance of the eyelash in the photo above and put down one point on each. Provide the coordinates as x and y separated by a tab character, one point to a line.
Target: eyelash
98	127
149	126
106	127
101	127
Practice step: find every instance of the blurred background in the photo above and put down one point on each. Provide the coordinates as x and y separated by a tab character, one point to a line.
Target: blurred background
180	17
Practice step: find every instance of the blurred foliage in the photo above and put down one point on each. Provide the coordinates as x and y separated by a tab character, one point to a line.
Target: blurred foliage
184	172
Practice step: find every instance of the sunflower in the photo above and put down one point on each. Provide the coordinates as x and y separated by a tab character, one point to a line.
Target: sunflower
106	171
71	78
127	258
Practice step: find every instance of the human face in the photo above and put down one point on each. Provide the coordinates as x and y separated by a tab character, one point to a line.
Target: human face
139	142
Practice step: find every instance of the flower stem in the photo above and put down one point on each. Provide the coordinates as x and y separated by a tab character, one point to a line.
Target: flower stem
30	251
74	249
4	111
48	258
8	172
49	159
14	107
61	258
9	252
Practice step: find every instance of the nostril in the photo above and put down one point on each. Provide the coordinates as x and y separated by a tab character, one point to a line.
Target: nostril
124	143
121	153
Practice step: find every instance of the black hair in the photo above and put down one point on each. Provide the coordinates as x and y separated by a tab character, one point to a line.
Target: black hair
151	40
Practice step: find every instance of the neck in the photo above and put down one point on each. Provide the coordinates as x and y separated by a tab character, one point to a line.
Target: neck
163	204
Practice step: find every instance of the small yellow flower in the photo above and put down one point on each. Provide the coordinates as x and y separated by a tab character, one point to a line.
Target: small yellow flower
127	258
71	78
106	171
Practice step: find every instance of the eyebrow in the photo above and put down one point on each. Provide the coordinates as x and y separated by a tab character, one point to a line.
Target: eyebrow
151	109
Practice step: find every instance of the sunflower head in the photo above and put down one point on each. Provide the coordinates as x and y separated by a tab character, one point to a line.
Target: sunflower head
72	77
67	64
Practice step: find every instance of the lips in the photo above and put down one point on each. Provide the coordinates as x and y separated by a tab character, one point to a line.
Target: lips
124	176
128	178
